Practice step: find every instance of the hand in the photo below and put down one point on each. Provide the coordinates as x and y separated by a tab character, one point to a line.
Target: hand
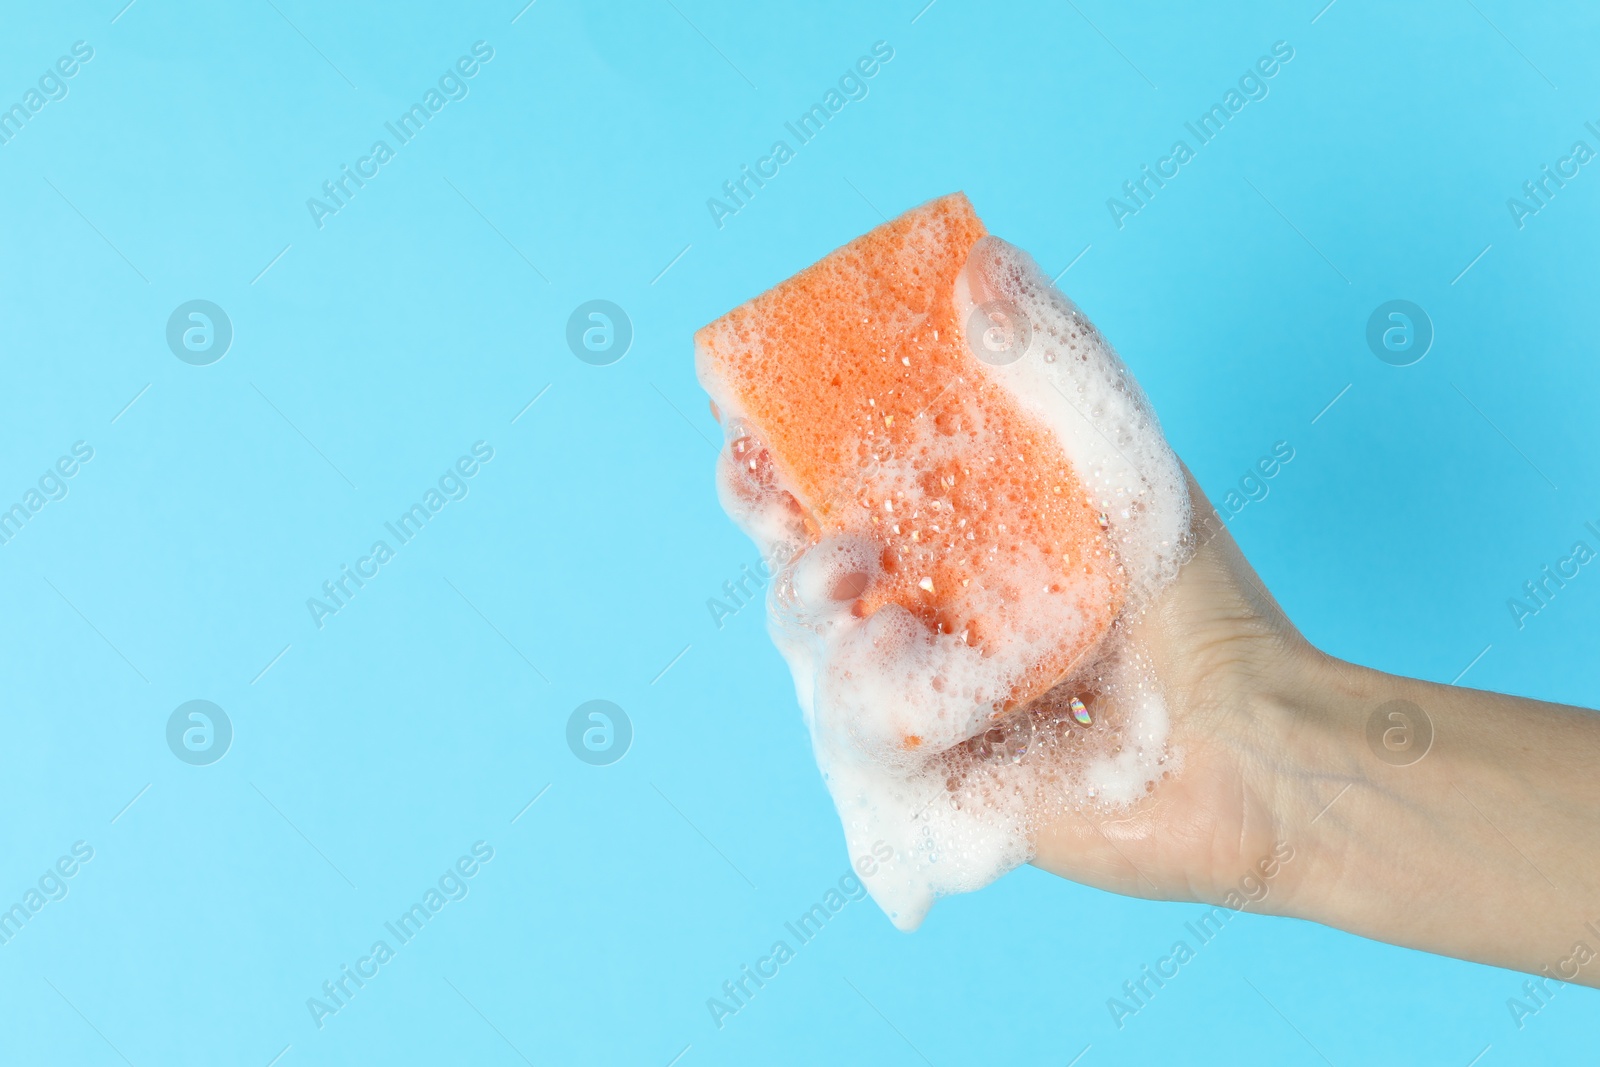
1484	845
1223	649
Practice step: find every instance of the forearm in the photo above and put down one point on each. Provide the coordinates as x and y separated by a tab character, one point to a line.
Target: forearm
1482	844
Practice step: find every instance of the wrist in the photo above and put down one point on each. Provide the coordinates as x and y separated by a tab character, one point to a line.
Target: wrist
1306	754
1306	759
1272	724
1415	820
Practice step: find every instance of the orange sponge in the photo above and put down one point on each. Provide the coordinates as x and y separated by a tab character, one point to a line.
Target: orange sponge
856	377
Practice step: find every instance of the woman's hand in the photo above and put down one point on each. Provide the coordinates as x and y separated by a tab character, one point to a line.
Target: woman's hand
1446	819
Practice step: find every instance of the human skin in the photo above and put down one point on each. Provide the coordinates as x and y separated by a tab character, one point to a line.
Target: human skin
1487	848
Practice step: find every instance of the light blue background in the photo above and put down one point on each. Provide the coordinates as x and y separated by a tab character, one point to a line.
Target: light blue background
426	714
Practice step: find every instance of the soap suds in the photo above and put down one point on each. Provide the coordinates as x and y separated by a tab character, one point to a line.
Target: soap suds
914	723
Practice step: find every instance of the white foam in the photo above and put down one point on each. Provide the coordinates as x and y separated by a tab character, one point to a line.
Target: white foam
960	810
